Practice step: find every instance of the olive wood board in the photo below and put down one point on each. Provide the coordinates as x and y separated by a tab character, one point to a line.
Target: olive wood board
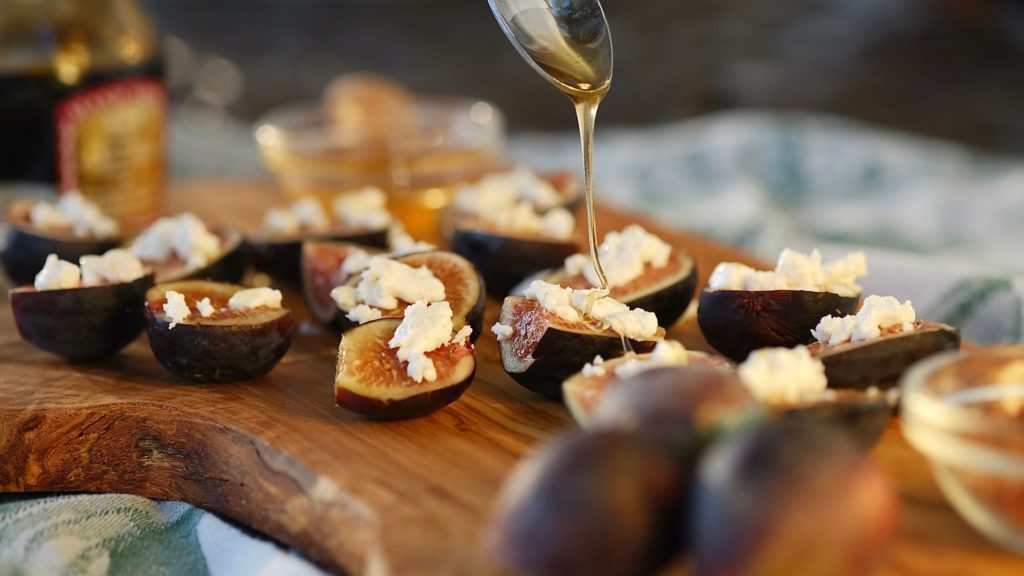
355	496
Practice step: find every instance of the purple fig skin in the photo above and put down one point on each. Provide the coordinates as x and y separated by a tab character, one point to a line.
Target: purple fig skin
862	417
736	322
881	362
81	324
282	259
217	352
598	503
26	250
787	498
504	261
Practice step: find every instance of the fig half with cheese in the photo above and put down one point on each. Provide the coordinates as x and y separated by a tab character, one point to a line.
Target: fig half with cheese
82	322
323	268
372	381
743	309
462	286
70	228
213	332
184	247
539	349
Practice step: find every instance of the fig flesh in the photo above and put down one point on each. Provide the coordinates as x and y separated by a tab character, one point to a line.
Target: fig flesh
736	322
84	323
583	393
544	350
281	257
787	498
598	503
26	246
882	361
463	288
227	346
371	381
229	266
321	272
666	291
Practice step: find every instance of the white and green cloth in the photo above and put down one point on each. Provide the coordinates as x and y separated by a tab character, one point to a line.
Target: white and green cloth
940	223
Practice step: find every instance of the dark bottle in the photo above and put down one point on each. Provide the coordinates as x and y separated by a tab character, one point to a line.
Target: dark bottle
82	101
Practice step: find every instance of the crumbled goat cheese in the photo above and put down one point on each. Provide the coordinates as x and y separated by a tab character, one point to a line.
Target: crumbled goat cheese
665	353
624	256
73	211
57	274
877	313
517	201
255	298
385	282
502	331
783	375
175	308
184	236
281	221
401	243
366	208
425	328
576	305
794	271
304	214
594	368
361	314
205	308
115	266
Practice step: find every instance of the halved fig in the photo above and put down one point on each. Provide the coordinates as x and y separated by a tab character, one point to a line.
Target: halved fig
583	393
544	349
229	266
26	247
736	322
371	381
504	260
881	362
282	257
321	272
600	503
666	291
863	415
84	323
228	345
463	288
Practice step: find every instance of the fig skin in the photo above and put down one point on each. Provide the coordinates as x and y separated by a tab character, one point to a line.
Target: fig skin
474	316
790	498
667	297
863	417
85	323
561	349
881	362
216	350
370	340
27	248
598	503
282	258
736	322
504	261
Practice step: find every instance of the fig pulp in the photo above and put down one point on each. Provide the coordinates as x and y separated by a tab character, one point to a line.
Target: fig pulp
736	322
282	258
227	346
371	381
881	362
544	350
463	288
229	266
506	260
666	291
788	498
583	393
600	503
84	323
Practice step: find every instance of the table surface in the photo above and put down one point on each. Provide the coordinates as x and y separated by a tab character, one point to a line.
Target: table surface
362	497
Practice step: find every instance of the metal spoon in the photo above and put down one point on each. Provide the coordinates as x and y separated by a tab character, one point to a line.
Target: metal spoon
566	41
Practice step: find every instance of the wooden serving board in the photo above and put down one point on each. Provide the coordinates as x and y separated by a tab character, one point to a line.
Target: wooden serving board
355	496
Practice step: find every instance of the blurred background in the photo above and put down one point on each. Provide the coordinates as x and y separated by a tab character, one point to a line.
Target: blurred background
947	68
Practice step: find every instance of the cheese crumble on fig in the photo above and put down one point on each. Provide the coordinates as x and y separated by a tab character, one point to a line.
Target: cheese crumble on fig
425	328
877	314
783	375
581	305
794	271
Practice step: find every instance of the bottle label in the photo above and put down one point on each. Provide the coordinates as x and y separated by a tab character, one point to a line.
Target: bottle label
110	146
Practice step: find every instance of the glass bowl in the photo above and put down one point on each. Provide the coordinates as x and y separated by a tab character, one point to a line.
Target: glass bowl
965	413
446	142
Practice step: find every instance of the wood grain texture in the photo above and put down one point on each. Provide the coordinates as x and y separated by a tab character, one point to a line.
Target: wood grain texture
355	496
